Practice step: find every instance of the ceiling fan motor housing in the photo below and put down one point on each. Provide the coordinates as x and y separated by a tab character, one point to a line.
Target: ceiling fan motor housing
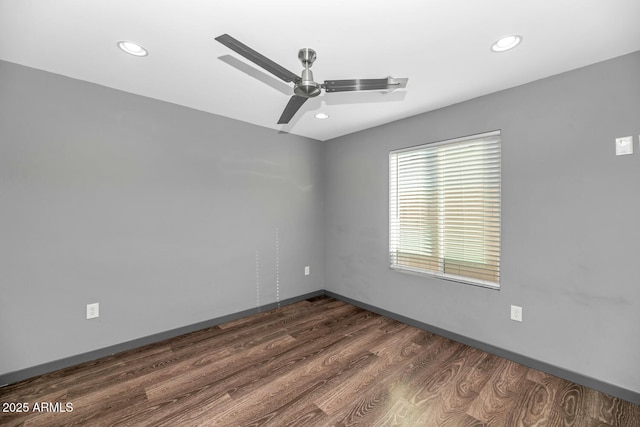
307	87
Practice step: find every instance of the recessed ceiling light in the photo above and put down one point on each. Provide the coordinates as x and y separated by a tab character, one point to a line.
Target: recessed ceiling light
506	43
132	48
322	116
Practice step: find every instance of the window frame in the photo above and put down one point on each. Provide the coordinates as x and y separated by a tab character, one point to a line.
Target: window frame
394	238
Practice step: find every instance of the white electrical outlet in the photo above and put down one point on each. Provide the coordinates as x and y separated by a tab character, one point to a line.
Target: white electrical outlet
93	310
306	270
516	313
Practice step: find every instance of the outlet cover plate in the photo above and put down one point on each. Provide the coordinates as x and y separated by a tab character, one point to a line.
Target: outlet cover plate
516	313
93	310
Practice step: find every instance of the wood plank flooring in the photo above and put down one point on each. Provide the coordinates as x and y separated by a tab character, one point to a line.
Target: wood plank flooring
319	362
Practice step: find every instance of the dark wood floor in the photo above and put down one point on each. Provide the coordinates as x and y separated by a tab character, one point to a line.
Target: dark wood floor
319	362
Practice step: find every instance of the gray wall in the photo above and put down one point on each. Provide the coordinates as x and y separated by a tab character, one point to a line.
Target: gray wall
153	210
158	212
570	221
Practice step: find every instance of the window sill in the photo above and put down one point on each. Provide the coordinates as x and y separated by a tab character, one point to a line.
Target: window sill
448	277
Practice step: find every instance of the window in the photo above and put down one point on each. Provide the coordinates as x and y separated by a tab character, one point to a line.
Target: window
444	201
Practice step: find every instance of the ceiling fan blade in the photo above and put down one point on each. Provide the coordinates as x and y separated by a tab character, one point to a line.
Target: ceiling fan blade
364	84
258	59
294	104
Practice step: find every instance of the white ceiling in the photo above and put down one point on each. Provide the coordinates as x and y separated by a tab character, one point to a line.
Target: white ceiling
442	46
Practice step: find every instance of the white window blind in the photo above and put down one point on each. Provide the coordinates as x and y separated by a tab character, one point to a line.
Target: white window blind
445	209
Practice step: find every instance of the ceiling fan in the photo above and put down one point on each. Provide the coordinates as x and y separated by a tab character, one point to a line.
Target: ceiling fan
304	86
